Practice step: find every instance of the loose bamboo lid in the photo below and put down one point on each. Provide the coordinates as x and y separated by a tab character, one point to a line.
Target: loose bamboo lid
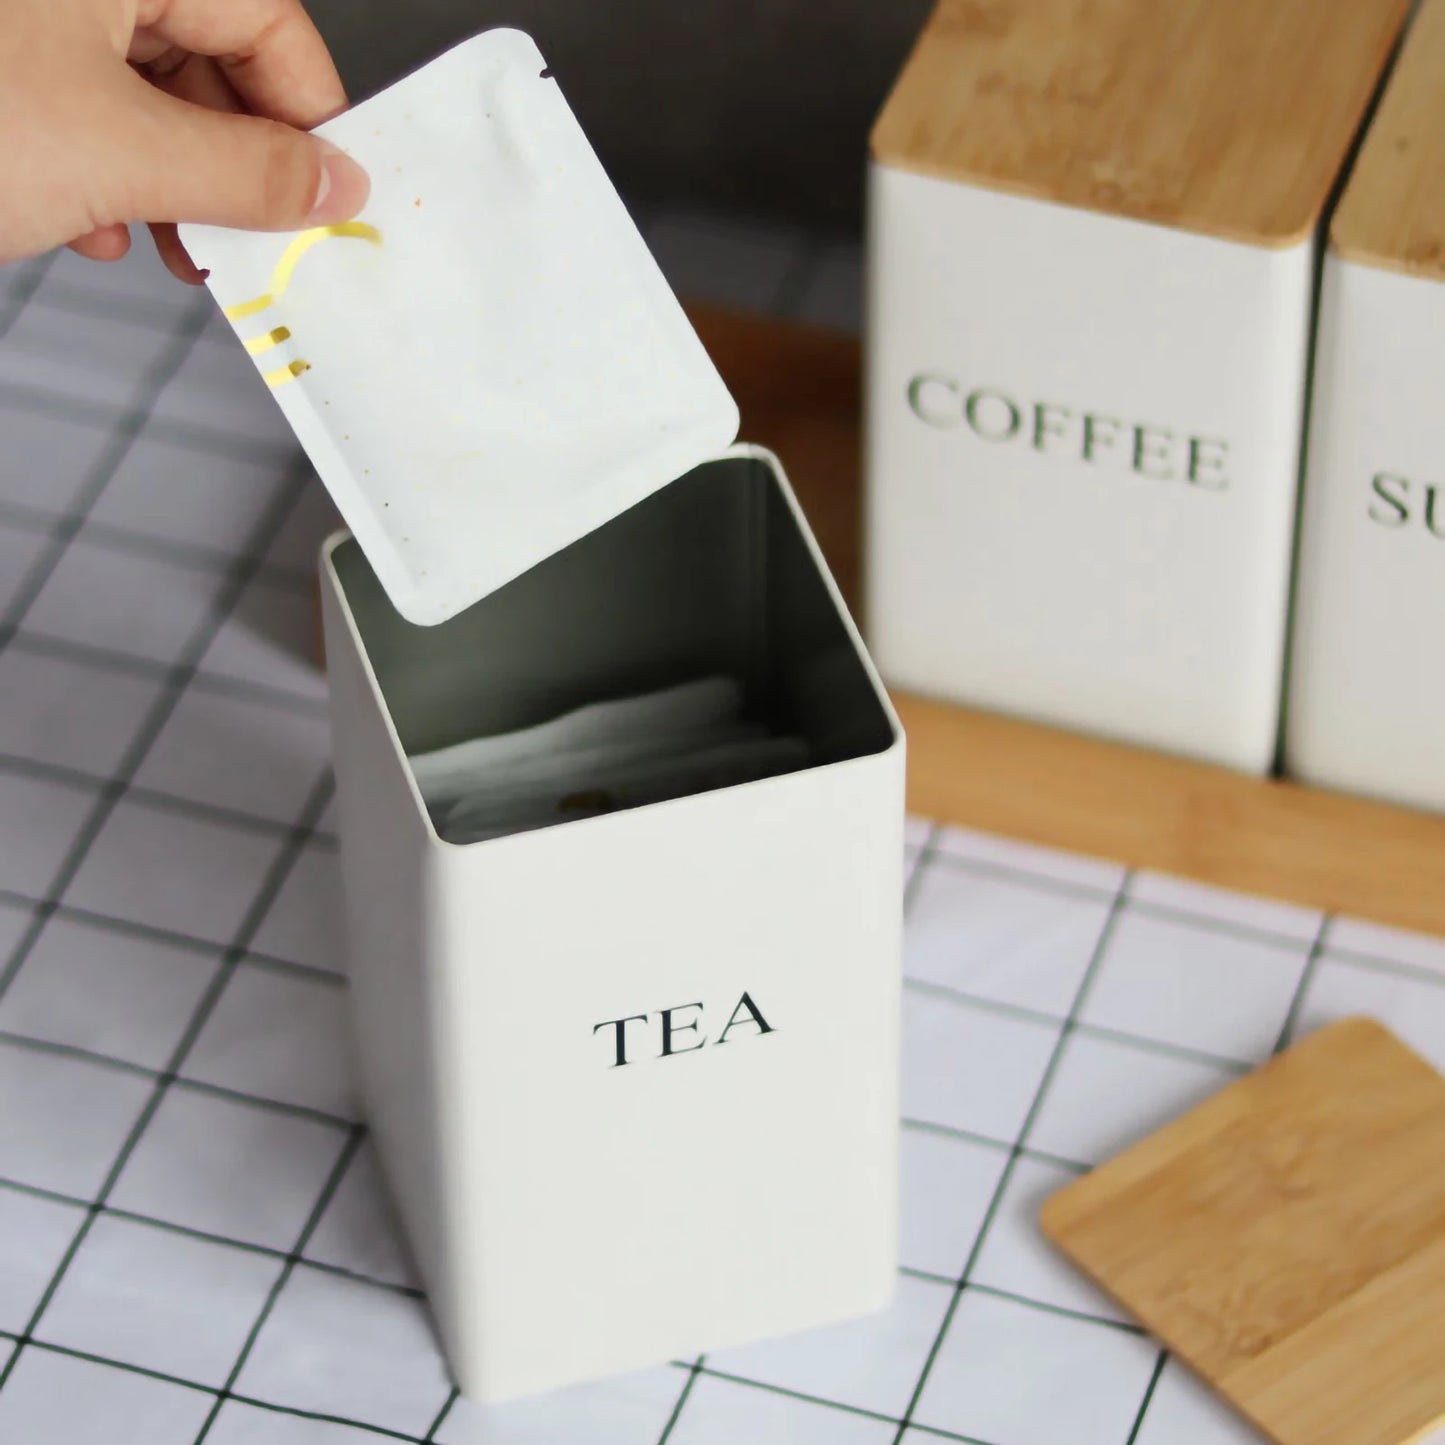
1227	117
1393	210
1286	1240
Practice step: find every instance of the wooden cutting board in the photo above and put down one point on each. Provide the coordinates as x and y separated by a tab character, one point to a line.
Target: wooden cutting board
1287	1239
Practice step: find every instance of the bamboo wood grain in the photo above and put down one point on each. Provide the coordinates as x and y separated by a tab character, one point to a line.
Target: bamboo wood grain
1392	213
1287	1239
1227	117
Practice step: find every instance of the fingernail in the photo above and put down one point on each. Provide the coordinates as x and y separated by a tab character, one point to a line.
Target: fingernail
342	190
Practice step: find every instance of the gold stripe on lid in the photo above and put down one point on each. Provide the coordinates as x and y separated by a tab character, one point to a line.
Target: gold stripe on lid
286	373
281	275
274	337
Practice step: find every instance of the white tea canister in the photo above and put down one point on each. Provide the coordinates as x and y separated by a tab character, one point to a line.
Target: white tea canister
1090	281
634	1077
1367	692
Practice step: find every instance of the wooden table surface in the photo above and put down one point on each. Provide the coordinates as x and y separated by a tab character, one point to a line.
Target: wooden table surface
798	389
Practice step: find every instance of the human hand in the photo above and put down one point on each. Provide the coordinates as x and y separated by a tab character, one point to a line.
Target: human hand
114	111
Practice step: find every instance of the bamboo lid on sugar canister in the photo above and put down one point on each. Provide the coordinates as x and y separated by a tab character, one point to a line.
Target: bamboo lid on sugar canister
1231	118
1392	213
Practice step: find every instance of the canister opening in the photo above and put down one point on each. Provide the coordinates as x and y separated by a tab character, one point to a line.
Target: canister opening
711	577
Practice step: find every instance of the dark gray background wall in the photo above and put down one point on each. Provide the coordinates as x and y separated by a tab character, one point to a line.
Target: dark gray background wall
761	106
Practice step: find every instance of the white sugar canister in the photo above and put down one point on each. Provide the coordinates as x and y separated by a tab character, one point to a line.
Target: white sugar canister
1367	693
633	1076
1090	282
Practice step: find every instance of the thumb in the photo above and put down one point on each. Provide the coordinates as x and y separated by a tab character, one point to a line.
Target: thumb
183	162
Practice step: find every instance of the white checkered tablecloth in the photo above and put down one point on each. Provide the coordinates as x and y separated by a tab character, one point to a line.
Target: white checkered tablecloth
193	1244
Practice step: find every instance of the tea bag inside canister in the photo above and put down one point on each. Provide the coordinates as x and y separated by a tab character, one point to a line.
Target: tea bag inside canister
601	758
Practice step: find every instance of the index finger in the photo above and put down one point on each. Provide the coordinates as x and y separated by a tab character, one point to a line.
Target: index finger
269	50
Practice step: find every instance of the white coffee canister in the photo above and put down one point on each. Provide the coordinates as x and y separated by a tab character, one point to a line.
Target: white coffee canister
1090	271
635	1077
1367	694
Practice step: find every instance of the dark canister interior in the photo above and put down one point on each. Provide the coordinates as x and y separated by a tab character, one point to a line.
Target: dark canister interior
709	575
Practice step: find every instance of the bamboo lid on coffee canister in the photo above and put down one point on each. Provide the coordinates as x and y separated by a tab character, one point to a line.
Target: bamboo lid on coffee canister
1393	210
1232	118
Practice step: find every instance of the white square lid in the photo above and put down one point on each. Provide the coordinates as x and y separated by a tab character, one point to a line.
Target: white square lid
487	364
